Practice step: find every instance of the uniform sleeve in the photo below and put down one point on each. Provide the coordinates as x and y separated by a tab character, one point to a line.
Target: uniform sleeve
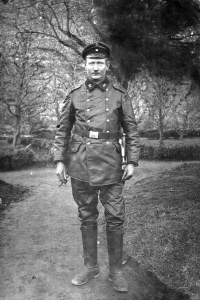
63	133
129	126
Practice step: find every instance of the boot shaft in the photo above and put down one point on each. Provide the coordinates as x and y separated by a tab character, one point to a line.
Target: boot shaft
89	239
115	249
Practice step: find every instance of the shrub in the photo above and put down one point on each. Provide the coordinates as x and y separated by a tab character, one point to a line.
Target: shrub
150	134
36	143
193	133
153	134
171	134
176	152
5	158
22	157
25	141
43	157
40	153
41	144
146	151
13	159
10	140
44	134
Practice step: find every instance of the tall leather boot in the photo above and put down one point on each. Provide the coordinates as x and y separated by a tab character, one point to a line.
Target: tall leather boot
115	254
91	268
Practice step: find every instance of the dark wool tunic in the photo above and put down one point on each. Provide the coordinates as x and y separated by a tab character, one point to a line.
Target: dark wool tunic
102	108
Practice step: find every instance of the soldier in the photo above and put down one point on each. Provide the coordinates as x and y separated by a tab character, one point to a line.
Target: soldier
87	149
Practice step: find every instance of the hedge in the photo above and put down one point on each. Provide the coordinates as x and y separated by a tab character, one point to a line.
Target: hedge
13	159
171	133
38	144
187	152
44	134
42	153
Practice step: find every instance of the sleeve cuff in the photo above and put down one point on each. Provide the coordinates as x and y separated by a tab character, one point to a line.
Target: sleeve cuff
133	163
57	161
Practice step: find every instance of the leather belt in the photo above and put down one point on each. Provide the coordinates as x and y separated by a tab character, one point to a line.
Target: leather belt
96	134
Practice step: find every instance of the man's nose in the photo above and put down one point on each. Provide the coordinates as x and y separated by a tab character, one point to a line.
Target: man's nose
96	67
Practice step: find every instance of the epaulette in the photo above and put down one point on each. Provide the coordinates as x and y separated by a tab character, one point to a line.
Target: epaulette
76	87
119	87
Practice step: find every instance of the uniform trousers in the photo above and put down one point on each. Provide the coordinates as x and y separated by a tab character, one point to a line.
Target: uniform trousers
86	197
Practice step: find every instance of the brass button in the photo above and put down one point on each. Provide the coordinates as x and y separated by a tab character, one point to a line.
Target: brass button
107	109
106	99
88	143
88	100
88	121
88	109
107	131
107	120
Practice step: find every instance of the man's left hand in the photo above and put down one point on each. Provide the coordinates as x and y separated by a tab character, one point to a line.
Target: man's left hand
128	172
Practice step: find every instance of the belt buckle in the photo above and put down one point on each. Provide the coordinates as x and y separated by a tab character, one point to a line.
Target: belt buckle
94	134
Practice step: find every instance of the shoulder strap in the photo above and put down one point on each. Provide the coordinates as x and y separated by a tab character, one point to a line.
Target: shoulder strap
118	87
75	88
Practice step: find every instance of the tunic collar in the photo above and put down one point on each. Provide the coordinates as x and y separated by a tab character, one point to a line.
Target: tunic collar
102	85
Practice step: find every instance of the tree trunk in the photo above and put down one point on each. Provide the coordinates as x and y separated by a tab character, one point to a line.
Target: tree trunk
161	133
120	76
17	127
181	135
16	137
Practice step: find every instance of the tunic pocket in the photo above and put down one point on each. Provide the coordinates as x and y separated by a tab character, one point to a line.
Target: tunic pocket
73	147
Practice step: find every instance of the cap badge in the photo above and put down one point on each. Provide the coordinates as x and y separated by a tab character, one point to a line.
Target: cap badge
96	49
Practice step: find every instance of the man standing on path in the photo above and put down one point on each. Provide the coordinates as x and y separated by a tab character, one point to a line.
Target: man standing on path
87	149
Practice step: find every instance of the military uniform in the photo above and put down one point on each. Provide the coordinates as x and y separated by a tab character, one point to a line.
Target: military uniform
87	140
95	115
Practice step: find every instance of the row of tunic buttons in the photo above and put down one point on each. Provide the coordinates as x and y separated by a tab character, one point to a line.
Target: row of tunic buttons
107	109
88	121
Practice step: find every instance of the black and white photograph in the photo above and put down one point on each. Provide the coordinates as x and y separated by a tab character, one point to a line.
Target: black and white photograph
100	150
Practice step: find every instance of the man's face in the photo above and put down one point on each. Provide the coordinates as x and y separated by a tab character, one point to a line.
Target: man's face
96	68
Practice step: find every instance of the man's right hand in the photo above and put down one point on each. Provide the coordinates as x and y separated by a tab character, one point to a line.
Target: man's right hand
61	172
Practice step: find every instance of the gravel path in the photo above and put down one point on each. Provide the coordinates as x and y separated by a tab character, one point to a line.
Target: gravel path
40	242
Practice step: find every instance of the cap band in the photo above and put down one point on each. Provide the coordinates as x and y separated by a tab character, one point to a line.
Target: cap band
96	55
96	50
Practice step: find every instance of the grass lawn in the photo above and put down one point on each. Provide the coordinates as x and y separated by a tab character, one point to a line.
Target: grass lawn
163	226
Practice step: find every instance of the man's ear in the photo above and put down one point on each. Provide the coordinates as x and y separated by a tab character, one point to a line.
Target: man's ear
85	63
108	65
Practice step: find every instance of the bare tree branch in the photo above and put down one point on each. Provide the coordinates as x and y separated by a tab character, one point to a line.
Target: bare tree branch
96	29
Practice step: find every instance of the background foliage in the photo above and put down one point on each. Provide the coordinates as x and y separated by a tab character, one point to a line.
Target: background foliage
155	55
